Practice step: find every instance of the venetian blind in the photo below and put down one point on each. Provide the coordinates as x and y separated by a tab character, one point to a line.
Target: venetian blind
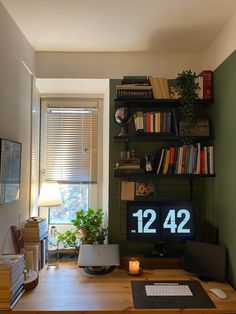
71	145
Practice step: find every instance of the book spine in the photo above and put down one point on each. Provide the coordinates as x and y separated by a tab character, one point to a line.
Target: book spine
172	160
145	94
139	79
207	84
148	122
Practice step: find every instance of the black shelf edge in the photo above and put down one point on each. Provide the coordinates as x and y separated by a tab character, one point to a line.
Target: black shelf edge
163	138
131	174
155	103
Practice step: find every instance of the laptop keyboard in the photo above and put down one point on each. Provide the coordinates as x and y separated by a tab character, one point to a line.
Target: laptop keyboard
162	289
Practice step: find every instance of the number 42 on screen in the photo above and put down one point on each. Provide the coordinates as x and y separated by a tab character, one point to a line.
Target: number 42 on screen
175	220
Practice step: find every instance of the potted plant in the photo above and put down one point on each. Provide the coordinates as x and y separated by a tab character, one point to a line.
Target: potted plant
88	229
187	88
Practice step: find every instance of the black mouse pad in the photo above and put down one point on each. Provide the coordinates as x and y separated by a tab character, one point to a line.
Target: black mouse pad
200	298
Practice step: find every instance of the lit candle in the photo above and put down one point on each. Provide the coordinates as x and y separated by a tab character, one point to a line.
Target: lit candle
133	266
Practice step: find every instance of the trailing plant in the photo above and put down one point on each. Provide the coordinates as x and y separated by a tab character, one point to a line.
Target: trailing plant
187	88
88	228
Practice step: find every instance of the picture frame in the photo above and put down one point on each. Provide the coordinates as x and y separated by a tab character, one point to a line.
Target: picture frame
10	170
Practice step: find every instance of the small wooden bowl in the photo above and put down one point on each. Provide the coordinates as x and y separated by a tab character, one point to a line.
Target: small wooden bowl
31	282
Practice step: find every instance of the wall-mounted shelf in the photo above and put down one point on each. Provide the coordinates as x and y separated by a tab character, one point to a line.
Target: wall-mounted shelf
159	137
139	174
157	103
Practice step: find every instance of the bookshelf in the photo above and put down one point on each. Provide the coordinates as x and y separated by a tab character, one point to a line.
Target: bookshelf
163	138
166	187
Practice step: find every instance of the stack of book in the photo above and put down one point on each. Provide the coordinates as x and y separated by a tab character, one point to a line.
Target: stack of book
35	229
134	87
153	122
160	87
35	234
128	163
186	159
11	280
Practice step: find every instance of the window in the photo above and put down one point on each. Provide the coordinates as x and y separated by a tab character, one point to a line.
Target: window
69	143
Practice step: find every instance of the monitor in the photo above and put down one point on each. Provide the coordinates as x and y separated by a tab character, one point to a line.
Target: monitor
160	221
206	260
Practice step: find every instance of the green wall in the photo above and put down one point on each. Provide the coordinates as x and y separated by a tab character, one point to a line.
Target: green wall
166	189
221	192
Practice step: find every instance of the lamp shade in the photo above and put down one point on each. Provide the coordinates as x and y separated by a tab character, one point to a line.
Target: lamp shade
49	195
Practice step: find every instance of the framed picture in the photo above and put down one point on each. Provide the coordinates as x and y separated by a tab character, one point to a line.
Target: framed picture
10	164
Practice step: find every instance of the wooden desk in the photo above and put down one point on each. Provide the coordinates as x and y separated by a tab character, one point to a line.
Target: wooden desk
69	288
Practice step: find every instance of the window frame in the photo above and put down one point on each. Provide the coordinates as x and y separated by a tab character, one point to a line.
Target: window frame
95	190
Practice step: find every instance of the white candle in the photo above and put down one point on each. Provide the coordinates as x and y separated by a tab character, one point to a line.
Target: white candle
133	267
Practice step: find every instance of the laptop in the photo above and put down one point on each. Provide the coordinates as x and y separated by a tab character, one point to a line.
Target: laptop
99	255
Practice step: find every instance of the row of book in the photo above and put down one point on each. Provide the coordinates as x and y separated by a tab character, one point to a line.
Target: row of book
186	159
36	254
11	280
35	235
154	122
148	87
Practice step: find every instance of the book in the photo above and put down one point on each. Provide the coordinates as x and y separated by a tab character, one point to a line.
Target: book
167	161
133	87
128	93
148	122
174	123
7	294
29	237
161	160
206	166
156	87
206	84
164	88
10	262
135	79
139	120
211	159
36	249
171	160
180	160
11	303
7	280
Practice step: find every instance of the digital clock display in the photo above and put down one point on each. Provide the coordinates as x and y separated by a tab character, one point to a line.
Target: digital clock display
160	221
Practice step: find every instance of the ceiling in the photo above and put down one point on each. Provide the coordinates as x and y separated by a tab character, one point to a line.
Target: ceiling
123	25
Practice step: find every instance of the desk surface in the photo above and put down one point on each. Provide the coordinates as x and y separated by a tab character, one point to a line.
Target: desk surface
69	288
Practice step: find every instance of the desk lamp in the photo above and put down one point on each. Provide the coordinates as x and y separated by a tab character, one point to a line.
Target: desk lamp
49	195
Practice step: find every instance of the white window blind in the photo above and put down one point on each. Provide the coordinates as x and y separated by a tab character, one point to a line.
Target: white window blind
71	145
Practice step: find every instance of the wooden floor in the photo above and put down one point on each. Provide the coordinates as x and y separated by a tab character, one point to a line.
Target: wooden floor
69	288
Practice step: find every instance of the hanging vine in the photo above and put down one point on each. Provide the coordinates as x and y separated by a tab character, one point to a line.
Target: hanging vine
187	88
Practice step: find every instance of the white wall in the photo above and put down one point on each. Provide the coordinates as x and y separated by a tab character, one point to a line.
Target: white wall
15	113
114	65
222	46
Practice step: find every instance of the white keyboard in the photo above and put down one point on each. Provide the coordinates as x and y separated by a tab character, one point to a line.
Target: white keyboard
167	289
